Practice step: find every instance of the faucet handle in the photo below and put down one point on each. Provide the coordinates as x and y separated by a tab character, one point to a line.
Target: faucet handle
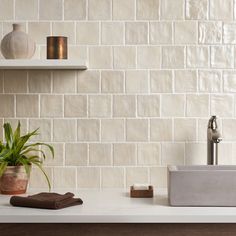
212	123
216	136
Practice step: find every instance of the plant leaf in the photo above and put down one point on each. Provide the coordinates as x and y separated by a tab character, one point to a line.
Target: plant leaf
33	150
3	166
41	144
8	135
23	140
16	135
23	160
41	168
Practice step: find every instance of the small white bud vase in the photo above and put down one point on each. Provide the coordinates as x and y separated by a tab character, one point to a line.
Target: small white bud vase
17	44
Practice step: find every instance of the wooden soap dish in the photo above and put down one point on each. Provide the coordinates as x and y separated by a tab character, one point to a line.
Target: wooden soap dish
141	193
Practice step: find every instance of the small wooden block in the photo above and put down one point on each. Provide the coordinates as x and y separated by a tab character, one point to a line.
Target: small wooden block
141	193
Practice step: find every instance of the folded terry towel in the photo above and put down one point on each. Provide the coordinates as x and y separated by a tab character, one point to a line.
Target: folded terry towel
46	201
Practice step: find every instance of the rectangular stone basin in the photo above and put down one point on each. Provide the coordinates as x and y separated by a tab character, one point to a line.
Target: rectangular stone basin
202	185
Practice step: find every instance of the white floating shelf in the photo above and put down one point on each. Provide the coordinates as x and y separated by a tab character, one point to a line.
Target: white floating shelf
19	64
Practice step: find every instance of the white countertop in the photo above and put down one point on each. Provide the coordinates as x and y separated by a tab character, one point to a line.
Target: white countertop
115	206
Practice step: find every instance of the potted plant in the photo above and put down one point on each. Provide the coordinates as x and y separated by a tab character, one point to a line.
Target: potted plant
16	159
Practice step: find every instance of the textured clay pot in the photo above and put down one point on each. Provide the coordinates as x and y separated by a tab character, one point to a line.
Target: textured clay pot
17	44
14	180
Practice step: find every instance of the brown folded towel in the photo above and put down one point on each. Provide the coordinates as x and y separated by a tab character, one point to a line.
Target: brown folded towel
46	201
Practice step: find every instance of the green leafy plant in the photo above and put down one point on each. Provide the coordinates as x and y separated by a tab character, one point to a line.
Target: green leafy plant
16	151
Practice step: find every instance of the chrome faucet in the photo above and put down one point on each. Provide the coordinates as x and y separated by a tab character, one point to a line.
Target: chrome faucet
213	138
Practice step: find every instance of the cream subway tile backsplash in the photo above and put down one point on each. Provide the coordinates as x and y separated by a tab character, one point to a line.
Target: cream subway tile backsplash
124	154
173	154
196	153
136	174
88	82
51	106
100	57
99	10
7	105
210	32
137	130
160	32
87	33
112	130
197	105
15	81
172	10
112	33
185	129
88	177
100	106
76	154
161	130
148	154
221	10
64	82
197	56
45	129
112	177
136	33
64	129
64	28
161	81
222	56
229	129
32	9
136	81
64	177
223	105
147	9
225	154
185	32
173	105
209	81
185	81
75	106
39	81
27	105
123	9
37	179
112	81
148	57
58	159
229	33
75	9
148	106
100	154
50	10
157	69
124	57
124	106
172	57
197	10
158	177
7	10
88	130
229	78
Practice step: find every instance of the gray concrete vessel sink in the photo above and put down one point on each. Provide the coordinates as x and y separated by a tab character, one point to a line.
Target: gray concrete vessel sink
202	185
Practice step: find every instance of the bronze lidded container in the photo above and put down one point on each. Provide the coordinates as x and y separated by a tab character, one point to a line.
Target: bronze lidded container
57	47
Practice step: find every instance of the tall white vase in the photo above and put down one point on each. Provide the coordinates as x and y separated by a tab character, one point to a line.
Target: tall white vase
17	44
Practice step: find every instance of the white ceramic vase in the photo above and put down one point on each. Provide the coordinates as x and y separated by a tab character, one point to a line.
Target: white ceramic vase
17	44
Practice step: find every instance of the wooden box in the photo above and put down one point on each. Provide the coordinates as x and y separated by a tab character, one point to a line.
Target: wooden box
141	193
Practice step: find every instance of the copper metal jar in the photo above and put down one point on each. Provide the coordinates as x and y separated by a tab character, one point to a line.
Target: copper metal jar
56	47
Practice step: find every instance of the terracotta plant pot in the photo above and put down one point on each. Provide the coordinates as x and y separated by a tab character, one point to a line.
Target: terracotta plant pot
14	180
